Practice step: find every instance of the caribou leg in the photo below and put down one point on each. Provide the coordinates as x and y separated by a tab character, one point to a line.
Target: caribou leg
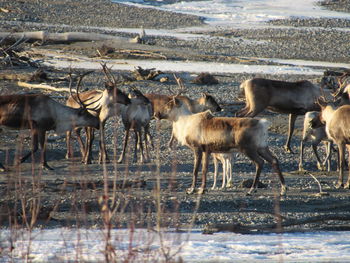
197	161
205	162
90	134
259	163
341	149
270	158
292	119
125	144
2	168
103	156
34	146
216	169
347	184
42	140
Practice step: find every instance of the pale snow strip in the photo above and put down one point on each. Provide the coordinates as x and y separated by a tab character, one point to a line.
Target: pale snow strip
71	244
63	61
186	66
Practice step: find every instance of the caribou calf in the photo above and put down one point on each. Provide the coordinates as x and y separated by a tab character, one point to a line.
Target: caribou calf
315	135
205	134
40	113
226	161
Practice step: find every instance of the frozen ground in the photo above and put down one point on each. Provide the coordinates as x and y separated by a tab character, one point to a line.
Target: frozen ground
61	245
243	13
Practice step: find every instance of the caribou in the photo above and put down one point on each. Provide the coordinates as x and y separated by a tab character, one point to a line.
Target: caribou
206	134
107	103
136	116
318	134
315	136
293	98
337	121
226	161
40	113
203	103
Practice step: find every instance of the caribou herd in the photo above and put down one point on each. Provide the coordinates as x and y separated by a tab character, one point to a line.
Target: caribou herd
194	123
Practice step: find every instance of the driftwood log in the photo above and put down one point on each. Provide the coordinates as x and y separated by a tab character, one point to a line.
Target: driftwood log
280	226
56	37
41	86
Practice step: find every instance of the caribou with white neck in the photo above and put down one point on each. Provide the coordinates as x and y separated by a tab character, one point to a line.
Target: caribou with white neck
206	134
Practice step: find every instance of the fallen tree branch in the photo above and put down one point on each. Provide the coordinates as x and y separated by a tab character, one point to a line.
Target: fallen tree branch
41	86
143	53
272	228
145	74
319	185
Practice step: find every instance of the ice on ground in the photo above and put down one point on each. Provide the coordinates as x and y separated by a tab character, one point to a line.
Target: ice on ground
244	13
140	245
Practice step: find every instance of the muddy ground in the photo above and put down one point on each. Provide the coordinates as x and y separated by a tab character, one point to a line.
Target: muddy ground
154	193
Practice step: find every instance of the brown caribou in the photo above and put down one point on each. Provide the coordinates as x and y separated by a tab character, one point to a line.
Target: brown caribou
40	113
106	103
136	116
293	98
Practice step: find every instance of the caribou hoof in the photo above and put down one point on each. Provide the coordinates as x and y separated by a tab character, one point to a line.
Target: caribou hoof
301	169
229	184
190	191
347	185
288	149
252	190
45	166
201	191
86	161
339	185
283	191
321	167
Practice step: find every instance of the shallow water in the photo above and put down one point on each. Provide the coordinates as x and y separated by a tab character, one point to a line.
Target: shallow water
244	13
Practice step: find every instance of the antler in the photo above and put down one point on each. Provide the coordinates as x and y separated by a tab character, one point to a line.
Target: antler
77	97
108	74
341	83
180	84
